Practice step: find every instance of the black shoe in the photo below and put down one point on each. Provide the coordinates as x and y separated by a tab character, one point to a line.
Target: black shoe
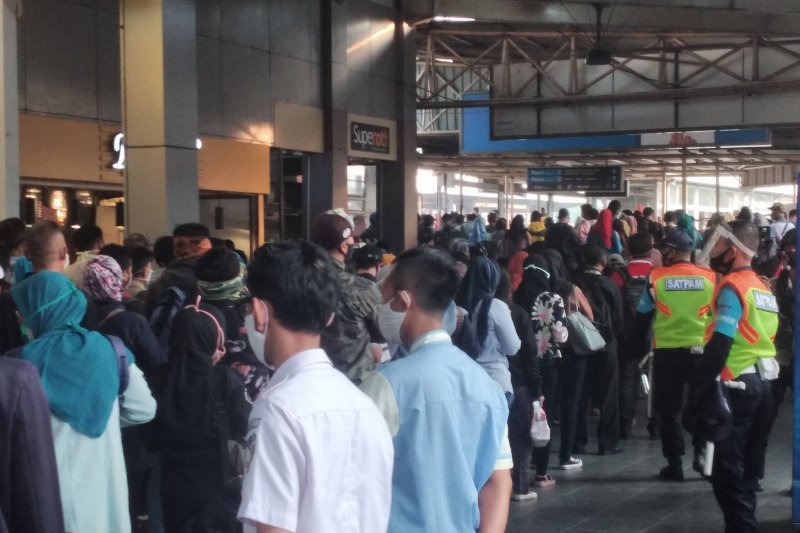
671	472
616	450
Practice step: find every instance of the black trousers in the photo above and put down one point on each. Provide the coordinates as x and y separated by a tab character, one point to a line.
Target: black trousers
629	378
735	495
520	415
602	386
673	369
754	470
573	371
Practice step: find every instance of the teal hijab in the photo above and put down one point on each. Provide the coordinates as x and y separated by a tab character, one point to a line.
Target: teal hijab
78	367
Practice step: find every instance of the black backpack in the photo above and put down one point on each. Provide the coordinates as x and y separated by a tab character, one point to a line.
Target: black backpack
172	301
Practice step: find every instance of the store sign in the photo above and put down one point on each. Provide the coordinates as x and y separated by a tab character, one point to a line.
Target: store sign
118	147
370	138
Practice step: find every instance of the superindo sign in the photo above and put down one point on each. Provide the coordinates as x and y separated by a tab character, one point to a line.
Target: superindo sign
371	138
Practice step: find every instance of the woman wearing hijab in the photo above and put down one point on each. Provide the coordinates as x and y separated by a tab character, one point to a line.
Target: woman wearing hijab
547	315
573	367
102	282
81	377
189	389
496	333
603	234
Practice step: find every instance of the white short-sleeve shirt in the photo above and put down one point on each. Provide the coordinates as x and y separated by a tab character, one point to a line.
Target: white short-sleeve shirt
322	453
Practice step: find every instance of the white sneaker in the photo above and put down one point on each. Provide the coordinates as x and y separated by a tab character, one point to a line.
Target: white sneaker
520	497
571	464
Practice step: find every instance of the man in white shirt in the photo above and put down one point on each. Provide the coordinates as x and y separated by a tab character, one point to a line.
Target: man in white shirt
322	453
779	223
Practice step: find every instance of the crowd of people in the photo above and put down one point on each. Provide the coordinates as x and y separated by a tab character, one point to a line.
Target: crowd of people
335	386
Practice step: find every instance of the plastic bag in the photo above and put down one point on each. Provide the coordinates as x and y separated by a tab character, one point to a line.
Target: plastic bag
540	431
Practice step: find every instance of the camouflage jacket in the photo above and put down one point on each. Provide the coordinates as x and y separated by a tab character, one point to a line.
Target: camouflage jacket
347	339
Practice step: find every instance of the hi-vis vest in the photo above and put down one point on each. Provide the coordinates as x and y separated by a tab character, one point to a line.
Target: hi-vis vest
755	335
683	294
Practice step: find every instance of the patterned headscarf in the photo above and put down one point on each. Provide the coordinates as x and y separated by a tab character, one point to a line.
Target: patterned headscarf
102	279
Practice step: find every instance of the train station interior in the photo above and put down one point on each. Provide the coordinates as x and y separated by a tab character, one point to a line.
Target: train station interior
254	116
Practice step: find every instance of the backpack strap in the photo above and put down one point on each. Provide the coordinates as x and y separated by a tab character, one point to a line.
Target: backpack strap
122	365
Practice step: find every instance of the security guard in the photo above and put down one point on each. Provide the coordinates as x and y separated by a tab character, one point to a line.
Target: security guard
741	352
678	304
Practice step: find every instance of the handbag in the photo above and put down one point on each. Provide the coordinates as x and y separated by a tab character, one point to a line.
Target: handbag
583	333
540	430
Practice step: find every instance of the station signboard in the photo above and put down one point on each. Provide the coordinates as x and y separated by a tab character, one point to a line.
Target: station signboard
606	179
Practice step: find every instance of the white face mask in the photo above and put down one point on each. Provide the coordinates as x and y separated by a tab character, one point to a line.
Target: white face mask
256	338
390	322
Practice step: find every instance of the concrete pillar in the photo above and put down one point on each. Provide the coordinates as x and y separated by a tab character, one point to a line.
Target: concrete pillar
9	113
159	99
399	184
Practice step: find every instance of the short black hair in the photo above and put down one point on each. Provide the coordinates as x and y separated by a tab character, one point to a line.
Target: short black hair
140	258
563	213
118	253
39	239
593	213
614	206
591	255
86	237
746	232
191	229
299	281
164	250
670	216
647	211
792	212
429	274
12	232
536	216
640	244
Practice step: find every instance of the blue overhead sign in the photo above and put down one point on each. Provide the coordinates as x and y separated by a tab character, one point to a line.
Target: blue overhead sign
476	137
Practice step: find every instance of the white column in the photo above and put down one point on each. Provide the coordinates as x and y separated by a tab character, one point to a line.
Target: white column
9	113
159	96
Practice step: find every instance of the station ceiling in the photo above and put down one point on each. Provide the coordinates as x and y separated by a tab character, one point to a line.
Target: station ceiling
553	30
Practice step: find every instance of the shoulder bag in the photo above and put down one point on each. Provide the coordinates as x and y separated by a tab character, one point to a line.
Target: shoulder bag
583	333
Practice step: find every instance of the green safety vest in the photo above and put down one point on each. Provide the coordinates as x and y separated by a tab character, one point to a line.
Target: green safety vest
683	294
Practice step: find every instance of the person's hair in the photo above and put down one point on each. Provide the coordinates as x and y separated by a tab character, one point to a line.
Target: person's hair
118	253
746	232
536	216
501	224
428	221
745	214
164	251
648	211
472	217
136	239
40	243
563	213
86	237
503	292
12	232
140	258
591	255
517	230
790	237
614	206
585	210
640	244
792	212
191	229
429	274
492	217
593	213
299	280
460	219
670	216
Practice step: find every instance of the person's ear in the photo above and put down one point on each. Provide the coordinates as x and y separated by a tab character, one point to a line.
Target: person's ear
260	313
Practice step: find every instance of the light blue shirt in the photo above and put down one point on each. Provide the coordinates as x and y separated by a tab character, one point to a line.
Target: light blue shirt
448	419
501	342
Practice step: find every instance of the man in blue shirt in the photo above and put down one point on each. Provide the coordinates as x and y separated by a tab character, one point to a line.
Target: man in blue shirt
447	416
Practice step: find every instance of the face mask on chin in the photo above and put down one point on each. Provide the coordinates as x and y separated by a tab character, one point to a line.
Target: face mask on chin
719	264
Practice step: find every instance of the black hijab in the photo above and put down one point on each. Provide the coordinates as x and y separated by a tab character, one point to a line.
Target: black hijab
535	281
185	387
559	277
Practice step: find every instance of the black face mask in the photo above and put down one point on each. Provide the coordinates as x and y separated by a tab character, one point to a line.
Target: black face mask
719	264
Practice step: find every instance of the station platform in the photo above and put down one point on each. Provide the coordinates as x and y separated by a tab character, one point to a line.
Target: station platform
621	493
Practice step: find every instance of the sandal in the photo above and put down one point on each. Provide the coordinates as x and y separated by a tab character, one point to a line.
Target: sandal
544	481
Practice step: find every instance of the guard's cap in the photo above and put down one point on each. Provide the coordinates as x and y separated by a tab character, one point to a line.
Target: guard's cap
679	240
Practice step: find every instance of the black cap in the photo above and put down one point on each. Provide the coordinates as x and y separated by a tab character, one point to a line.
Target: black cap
679	240
367	256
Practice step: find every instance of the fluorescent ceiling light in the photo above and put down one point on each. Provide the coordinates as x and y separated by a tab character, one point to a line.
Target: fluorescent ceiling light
441	18
755	145
444	59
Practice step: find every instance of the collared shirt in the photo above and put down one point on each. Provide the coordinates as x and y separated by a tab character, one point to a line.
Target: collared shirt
439	472
322	454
